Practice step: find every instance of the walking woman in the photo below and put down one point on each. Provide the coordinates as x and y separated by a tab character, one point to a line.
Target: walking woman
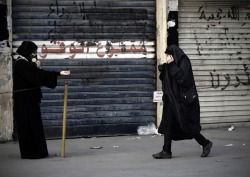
181	107
27	80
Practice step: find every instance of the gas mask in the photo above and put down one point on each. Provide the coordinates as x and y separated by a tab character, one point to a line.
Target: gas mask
33	57
35	60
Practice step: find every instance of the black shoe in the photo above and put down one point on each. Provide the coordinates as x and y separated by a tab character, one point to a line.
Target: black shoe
162	155
207	149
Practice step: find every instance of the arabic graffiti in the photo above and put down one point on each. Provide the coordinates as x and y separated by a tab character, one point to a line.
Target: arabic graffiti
247	16
96	20
45	50
216	81
109	49
233	13
75	50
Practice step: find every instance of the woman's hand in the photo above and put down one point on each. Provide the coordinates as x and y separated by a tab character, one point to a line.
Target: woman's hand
169	58
38	64
64	73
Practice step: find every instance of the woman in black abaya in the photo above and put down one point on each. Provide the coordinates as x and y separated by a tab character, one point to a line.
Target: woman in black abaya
180	120
27	80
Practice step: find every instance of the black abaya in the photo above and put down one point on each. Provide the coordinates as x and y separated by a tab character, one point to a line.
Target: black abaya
31	137
179	120
177	77
27	97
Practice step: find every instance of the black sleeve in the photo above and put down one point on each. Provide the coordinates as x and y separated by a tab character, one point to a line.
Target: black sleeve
181	72
162	69
38	77
49	78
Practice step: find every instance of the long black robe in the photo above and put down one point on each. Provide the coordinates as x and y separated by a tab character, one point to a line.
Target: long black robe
177	77
27	80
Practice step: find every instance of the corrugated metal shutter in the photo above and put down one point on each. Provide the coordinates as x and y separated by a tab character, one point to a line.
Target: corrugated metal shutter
215	35
109	47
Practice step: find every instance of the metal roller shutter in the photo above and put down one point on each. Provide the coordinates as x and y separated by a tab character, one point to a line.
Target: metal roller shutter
109	47
215	35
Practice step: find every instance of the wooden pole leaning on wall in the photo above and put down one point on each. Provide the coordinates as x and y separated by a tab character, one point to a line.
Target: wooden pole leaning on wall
64	118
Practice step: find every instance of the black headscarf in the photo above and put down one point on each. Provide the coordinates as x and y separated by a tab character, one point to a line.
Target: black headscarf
176	52
26	49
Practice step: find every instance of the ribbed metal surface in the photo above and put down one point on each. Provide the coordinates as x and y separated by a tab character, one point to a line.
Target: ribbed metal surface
109	47
105	96
215	35
79	20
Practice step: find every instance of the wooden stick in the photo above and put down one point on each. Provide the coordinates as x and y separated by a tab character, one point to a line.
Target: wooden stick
64	119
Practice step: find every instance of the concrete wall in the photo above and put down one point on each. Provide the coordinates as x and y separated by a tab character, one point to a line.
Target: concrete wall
6	103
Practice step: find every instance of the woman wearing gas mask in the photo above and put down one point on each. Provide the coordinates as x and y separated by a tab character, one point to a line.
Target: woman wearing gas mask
27	80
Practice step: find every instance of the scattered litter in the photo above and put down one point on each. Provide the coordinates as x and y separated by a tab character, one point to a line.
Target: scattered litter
229	145
147	130
244	144
231	128
218	160
96	147
115	146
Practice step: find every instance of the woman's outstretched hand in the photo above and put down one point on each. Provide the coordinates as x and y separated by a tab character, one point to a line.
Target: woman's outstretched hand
64	73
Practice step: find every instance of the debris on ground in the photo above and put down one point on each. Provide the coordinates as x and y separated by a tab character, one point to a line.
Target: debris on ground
96	147
231	128
147	130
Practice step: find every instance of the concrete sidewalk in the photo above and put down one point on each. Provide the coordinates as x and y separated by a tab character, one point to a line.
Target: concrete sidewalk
132	156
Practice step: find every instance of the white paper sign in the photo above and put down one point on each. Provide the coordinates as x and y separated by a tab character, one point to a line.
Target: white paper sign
158	96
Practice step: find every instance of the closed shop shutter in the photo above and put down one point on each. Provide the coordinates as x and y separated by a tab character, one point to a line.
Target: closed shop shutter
109	47
215	35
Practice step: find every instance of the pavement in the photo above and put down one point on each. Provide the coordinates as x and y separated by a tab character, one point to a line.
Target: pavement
131	156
